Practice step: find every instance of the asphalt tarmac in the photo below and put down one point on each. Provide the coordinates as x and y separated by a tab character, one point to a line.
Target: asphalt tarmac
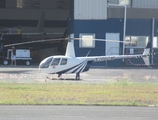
30	74
20	112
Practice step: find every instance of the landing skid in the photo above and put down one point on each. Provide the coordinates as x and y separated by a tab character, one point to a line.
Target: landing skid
68	79
54	78
77	77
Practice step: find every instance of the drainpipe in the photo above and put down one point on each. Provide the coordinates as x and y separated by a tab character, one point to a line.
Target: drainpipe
152	50
124	29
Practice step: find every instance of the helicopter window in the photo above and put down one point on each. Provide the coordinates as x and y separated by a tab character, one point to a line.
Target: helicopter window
63	62
46	62
56	61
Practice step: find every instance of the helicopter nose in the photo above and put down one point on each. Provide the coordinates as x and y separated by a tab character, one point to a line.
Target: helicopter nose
42	70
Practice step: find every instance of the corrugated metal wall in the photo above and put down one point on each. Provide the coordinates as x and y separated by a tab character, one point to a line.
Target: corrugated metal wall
90	9
145	4
113	1
137	3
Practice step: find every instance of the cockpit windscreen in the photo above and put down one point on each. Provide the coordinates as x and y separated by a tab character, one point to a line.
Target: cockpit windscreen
45	63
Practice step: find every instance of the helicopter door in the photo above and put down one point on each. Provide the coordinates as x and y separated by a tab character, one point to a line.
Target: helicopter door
55	62
63	61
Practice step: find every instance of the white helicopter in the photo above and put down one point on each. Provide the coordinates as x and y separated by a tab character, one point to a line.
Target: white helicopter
70	64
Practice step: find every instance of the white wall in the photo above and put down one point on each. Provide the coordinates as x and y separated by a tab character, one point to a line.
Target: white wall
145	4
90	9
137	3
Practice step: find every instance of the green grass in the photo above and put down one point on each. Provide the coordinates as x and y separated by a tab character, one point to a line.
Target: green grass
119	93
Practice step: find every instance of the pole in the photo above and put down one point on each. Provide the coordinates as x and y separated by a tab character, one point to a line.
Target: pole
124	29
152	50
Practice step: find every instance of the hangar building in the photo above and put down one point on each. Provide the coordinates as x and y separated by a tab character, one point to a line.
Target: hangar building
37	19
126	20
123	20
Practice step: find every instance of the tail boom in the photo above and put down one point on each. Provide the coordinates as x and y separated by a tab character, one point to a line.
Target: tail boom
145	57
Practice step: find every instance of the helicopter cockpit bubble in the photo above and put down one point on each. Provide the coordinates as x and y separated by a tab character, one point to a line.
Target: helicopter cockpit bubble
46	62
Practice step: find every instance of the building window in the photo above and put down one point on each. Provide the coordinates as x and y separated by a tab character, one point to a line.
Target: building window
155	42
87	40
136	41
2	3
28	4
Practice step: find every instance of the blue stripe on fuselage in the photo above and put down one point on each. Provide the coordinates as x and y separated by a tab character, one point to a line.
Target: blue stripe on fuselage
65	71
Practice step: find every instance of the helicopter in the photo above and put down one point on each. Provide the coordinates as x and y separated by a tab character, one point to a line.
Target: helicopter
70	64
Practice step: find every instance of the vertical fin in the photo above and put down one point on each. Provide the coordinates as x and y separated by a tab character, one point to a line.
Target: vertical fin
146	54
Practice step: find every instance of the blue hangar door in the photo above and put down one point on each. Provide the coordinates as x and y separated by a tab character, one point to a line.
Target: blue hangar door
112	48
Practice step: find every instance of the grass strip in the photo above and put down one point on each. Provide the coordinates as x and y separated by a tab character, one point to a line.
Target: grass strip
120	93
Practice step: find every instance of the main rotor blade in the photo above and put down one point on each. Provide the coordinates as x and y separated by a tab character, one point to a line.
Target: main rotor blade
104	40
36	41
48	40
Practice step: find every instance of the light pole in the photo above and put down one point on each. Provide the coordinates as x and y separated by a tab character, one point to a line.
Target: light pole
124	27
